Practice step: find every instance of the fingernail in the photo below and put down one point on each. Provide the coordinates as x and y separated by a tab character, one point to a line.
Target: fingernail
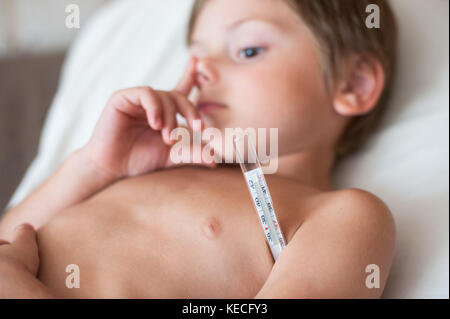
157	123
195	125
166	133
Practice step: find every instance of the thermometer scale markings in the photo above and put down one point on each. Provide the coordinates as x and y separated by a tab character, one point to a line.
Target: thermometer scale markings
263	203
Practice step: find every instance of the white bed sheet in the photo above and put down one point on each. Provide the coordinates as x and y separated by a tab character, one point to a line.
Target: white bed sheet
134	42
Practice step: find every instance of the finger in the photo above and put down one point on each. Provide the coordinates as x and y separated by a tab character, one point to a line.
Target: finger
140	103
204	150
186	108
187	80
124	101
24	235
153	105
24	240
170	116
208	161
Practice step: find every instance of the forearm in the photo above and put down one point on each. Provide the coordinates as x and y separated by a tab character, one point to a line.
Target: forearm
16	282
74	181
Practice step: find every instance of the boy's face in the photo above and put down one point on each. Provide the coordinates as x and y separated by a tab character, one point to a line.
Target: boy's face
258	59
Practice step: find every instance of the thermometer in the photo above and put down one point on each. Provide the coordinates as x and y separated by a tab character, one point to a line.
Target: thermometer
259	192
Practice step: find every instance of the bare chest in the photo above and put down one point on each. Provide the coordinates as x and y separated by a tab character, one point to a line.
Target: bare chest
164	236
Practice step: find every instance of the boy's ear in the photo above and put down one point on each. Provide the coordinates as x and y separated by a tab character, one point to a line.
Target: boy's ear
358	91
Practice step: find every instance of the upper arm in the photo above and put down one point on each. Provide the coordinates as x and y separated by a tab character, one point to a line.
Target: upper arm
328	256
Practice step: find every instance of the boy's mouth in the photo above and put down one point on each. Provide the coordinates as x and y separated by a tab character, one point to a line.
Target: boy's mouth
208	106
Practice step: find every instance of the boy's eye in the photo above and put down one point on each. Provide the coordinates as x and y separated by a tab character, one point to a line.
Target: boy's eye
249	53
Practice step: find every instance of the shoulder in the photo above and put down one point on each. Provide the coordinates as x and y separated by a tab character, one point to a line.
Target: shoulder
356	215
358	208
349	231
334	252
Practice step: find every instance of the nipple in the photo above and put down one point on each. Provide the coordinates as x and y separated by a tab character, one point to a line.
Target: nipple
211	228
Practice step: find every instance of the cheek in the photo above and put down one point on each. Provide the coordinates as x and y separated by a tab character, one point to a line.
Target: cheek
291	96
283	94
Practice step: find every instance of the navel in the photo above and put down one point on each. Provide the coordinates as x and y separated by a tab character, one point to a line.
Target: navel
211	227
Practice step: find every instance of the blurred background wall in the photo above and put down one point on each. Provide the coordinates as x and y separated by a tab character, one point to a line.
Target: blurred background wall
33	42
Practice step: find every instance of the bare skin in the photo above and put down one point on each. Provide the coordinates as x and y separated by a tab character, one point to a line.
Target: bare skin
138	226
181	233
193	233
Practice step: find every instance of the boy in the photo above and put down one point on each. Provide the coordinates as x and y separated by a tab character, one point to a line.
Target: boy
137	226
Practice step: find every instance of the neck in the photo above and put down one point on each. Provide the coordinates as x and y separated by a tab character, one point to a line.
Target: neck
311	167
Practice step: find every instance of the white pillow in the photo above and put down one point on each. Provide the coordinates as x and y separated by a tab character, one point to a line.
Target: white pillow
406	162
129	43
136	42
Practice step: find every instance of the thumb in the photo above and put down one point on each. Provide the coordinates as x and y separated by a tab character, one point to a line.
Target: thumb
24	235
24	240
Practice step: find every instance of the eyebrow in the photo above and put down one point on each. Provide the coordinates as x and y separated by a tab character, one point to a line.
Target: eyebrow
240	22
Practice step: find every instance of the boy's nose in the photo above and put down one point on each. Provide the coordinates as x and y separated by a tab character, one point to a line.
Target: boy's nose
206	75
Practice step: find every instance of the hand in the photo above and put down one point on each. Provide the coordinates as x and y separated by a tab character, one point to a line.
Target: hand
22	252
19	263
132	136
